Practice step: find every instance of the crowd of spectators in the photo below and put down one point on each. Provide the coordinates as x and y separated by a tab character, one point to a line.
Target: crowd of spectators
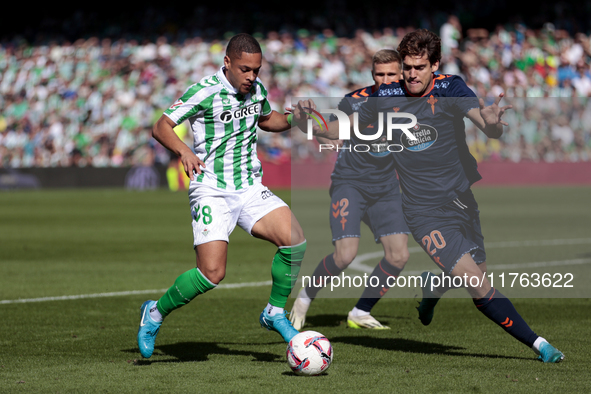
93	101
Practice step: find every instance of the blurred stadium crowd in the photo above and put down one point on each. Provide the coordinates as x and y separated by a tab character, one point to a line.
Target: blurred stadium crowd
93	101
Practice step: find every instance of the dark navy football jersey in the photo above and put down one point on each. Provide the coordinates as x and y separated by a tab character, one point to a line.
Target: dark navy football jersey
438	165
354	164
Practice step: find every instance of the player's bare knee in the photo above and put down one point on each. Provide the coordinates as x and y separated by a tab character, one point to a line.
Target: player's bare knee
214	275
297	235
289	240
343	258
397	259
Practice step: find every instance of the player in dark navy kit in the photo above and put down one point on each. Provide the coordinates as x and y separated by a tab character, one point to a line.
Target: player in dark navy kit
364	188
436	171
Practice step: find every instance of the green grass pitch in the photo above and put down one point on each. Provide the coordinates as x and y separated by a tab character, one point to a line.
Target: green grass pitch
106	244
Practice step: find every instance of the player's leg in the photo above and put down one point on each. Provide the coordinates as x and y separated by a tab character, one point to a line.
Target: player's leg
273	221
331	265
459	223
438	285
212	224
347	208
386	271
500	309
433	288
210	270
281	228
345	250
385	219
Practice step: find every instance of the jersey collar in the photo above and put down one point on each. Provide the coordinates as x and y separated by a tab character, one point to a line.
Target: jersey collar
222	77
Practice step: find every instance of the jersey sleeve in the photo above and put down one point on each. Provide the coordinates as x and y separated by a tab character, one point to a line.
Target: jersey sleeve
464	98
262	95
266	108
191	103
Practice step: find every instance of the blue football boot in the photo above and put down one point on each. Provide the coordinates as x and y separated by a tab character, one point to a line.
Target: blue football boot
278	323
549	354
146	334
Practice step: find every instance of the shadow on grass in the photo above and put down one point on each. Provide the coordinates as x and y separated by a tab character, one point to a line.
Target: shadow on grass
200	351
412	346
324	321
290	373
338	320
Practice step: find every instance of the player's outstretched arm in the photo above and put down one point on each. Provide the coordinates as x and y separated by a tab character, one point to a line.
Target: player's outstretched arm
274	122
163	132
489	119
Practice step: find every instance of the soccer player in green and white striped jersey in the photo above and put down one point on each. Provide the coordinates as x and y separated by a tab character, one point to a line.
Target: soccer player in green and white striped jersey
224	111
224	123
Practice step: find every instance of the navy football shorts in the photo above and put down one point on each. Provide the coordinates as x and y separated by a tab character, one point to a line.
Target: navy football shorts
377	206
449	232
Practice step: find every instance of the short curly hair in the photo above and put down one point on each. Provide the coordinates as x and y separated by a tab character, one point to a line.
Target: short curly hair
420	43
242	43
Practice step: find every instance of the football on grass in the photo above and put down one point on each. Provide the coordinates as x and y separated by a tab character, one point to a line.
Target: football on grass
309	353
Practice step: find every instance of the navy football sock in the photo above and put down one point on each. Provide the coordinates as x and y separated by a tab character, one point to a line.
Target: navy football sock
371	295
499	309
325	268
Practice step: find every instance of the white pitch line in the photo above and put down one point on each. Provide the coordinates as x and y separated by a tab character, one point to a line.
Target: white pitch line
538	264
355	265
503	267
124	293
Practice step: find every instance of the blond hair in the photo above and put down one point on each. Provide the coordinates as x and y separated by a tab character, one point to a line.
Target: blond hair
385	56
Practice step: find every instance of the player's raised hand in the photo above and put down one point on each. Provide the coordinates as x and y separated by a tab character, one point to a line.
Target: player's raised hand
492	115
301	113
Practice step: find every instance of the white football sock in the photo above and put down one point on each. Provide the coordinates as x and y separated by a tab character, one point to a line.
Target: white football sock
303	296
155	313
358	312
272	310
537	344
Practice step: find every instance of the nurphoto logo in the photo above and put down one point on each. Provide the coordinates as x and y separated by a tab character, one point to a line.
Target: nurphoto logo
345	129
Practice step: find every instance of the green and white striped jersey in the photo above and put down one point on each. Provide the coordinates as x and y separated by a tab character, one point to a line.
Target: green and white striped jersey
224	123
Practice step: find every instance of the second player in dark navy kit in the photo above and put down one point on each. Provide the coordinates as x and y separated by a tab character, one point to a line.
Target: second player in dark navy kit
436	171
364	188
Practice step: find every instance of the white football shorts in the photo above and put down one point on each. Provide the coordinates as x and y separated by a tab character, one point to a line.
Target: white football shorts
216	212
